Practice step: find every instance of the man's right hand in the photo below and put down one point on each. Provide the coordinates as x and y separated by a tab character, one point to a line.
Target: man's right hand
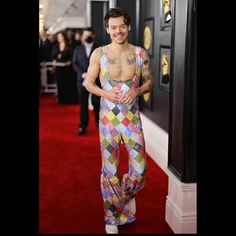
84	75
113	96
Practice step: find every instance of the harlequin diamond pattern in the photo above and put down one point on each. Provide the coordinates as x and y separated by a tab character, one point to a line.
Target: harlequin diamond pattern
135	120
110	148
105	120
105	143
120	122
123	115
130	115
125	121
115	121
137	147
120	116
116	110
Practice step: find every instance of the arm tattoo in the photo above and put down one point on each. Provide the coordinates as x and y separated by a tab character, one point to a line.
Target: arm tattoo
94	84
146	71
146	77
146	62
147	74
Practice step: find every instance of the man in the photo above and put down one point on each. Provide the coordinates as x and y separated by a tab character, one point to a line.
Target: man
44	47
44	56
76	40
81	58
120	66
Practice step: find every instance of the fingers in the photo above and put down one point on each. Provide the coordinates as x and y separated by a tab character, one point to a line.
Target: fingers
115	98
127	99
128	102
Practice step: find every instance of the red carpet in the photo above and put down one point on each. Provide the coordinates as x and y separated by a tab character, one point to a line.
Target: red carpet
69	182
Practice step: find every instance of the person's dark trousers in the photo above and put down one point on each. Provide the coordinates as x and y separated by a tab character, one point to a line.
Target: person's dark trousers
84	112
96	107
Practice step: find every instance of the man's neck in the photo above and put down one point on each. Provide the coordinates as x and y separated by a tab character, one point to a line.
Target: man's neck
119	47
88	44
43	38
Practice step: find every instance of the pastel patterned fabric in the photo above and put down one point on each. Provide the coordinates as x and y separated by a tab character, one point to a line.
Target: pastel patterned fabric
120	123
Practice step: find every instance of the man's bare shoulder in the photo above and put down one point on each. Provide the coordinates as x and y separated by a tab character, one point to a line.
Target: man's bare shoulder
137	49
96	55
132	47
144	53
97	51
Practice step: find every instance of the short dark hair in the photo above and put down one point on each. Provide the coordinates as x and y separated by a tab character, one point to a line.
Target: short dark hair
90	29
79	32
117	12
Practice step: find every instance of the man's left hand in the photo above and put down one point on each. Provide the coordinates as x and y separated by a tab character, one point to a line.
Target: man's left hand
129	97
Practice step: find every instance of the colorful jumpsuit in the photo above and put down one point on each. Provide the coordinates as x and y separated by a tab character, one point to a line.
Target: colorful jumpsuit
120	123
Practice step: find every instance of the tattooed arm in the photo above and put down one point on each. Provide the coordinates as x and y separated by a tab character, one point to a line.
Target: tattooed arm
147	84
147	76
93	73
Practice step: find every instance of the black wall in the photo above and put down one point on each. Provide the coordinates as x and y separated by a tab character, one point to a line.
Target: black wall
98	10
183	132
131	7
159	113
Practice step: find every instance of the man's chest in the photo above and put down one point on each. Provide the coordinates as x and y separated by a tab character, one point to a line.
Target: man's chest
122	66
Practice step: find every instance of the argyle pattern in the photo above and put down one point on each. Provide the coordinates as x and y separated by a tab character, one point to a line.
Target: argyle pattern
120	123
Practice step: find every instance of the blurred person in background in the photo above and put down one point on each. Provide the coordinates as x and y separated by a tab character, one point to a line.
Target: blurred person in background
66	82
81	58
76	40
44	47
44	56
53	41
121	66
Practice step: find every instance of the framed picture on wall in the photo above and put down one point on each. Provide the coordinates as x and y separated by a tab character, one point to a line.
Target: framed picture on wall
146	101
164	68
166	14
148	36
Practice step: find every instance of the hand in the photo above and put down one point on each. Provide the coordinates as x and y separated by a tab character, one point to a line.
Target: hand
129	97
68	63
84	83
113	96
84	75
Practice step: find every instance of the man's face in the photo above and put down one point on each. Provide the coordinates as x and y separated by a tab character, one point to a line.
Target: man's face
60	37
77	36
86	34
118	30
42	34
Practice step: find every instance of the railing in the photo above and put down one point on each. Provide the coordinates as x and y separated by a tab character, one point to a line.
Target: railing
45	67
